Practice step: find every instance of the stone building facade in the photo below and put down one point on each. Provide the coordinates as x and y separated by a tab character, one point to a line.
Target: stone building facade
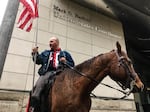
83	32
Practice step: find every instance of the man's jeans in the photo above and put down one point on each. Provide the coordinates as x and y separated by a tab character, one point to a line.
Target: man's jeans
41	84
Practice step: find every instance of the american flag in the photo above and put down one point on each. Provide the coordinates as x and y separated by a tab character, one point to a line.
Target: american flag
29	12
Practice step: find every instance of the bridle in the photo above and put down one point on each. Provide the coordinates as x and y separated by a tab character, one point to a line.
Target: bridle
122	62
130	76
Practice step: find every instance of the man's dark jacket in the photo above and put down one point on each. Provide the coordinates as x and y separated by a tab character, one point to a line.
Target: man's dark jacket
43	59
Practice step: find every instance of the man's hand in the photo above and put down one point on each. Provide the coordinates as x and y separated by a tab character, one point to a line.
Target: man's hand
62	59
35	50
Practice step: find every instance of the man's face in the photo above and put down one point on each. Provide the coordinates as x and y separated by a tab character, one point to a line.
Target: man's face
53	43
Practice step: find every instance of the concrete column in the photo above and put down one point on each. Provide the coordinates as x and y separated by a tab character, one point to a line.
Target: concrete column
6	30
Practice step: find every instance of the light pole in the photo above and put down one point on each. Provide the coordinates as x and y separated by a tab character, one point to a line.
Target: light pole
6	30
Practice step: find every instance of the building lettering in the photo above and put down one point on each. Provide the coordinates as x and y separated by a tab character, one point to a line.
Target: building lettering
80	20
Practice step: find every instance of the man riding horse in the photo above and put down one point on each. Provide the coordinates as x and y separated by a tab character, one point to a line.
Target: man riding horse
50	61
72	87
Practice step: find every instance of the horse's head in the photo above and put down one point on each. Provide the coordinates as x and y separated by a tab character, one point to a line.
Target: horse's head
122	71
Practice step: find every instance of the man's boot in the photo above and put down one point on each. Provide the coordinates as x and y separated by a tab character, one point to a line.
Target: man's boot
35	97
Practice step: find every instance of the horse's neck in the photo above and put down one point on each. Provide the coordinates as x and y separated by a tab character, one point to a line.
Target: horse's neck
99	65
98	69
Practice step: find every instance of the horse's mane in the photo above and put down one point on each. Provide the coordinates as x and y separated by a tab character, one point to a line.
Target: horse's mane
79	67
86	63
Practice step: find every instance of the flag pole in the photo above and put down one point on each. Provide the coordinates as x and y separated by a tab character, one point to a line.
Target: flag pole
36	39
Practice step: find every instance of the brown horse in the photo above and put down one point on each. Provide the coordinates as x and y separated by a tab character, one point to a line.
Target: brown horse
71	90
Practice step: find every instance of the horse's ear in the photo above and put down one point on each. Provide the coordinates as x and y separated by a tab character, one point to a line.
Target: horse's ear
118	47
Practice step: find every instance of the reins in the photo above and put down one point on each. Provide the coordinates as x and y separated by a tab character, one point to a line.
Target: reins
97	82
82	74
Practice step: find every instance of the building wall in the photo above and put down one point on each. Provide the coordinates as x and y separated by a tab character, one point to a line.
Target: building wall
82	32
